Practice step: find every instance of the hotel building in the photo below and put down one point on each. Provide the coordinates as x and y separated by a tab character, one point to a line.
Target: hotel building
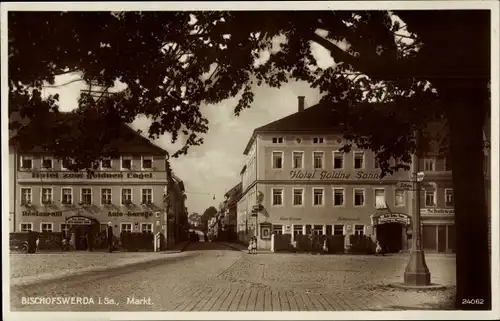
305	184
127	191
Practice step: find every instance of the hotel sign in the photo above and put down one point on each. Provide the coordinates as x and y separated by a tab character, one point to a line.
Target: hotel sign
99	175
326	175
437	211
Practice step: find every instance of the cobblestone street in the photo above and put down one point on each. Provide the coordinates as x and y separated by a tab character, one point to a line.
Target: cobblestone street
218	278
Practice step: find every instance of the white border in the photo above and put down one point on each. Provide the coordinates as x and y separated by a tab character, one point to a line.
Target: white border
271	5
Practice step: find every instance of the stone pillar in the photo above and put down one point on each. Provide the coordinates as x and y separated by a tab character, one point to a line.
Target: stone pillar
324	229
304	230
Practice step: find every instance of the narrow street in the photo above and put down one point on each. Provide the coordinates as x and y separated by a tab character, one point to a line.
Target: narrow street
215	277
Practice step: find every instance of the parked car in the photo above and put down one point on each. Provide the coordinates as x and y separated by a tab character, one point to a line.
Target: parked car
20	242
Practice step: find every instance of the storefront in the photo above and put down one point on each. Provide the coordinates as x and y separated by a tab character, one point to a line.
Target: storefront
391	230
438	230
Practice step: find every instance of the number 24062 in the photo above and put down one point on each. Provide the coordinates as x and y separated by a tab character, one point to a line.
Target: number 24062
472	301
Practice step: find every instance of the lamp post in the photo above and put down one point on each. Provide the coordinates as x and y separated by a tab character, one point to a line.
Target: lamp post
416	272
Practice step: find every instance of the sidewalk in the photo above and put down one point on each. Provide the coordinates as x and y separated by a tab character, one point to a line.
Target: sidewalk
27	269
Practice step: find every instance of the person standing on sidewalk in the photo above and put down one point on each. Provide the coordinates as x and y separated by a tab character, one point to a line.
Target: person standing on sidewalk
110	237
254	245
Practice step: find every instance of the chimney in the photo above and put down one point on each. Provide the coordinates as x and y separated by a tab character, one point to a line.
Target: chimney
301	103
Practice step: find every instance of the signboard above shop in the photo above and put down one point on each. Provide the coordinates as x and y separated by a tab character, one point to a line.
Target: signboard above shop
79	220
333	175
393	218
437	211
96	175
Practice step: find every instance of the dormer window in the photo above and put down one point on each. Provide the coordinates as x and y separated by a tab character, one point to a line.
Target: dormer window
126	162
147	163
26	162
318	140
278	140
106	163
47	163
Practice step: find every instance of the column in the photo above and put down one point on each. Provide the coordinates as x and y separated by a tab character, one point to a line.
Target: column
304	230
324	229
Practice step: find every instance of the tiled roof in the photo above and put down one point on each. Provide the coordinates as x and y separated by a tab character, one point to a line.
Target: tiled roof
130	141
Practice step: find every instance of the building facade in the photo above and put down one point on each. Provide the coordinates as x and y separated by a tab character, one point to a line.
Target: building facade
127	191
305	184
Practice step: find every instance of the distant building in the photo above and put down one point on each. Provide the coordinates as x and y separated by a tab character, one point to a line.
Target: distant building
228	212
307	185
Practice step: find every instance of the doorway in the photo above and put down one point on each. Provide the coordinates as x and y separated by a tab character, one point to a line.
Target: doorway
390	236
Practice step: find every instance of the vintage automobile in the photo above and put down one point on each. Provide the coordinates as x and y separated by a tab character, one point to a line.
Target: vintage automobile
20	242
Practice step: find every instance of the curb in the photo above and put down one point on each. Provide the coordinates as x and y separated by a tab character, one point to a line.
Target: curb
50	277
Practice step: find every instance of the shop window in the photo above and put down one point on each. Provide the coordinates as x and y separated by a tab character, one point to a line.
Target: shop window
338	160
125	227
318	196
359	160
359	229
318	160
298	196
278	229
297	229
298	159
46	227
26	227
277	196
146	227
277	160
318	229
338	229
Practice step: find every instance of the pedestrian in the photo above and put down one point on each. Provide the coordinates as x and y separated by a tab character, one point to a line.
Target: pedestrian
250	245
379	249
37	242
110	237
254	245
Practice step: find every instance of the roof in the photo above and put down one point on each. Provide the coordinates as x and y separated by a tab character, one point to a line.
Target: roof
129	142
317	118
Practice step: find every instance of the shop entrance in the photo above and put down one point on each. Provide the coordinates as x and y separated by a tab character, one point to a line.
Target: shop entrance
83	232
390	236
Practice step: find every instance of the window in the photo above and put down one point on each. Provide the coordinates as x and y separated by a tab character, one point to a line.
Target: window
147	196
126	227
380	198
338	229
26	227
430	198
318	160
26	196
126	162
105	196
338	160
376	163
46	227
277	229
278	160
66	195
147	163
318	196
359	160
278	140
86	196
318	229
26	162
47	163
447	164
298	159
146	227
429	164
298	196
277	196
318	140
66	163
359	229
359	197
297	229
126	196
106	163
63	227
399	197
338	197
448	197
46	195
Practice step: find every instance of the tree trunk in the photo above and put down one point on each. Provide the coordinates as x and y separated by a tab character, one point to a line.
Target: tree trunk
465	102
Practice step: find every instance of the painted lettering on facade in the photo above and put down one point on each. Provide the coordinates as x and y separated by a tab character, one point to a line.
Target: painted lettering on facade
325	175
283	218
437	211
131	214
348	219
56	175
36	213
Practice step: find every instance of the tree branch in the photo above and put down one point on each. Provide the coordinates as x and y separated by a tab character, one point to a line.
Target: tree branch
61	85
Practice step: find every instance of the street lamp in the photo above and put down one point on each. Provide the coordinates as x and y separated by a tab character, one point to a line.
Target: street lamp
416	272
